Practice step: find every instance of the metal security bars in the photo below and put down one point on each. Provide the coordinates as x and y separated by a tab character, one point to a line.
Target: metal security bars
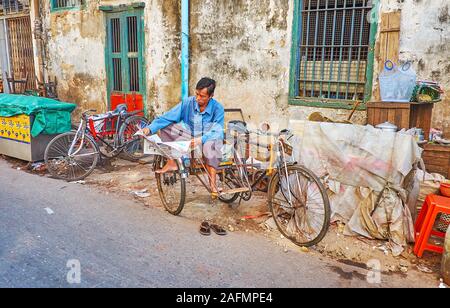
116	49
125	48
333	49
10	7
66	4
133	55
21	48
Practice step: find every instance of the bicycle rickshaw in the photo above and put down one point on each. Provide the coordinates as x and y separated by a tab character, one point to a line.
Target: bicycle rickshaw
296	197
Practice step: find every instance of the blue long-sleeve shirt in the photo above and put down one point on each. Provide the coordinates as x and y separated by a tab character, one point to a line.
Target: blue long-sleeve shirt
208	124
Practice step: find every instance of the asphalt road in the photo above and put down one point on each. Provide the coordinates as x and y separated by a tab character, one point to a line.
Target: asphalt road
46	223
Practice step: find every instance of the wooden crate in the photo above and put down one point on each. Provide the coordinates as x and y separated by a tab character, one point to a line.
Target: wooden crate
403	115
437	159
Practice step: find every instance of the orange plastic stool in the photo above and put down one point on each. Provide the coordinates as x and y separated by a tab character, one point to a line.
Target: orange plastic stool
433	206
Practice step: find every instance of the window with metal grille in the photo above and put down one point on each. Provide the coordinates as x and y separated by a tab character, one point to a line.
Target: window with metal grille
332	55
133	53
116	49
8	7
67	4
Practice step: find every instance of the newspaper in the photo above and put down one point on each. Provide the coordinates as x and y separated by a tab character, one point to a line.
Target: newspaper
153	145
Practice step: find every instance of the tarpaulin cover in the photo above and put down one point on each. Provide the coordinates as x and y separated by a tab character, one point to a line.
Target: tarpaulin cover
368	173
50	116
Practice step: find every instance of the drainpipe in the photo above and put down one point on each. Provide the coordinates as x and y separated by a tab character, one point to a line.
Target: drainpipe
184	49
36	25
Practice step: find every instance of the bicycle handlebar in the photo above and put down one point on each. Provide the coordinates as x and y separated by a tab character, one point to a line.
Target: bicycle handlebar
259	133
112	114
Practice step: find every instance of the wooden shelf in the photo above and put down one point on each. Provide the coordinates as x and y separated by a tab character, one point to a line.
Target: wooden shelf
403	115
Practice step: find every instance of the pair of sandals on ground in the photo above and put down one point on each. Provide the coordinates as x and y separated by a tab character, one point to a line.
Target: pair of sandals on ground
206	227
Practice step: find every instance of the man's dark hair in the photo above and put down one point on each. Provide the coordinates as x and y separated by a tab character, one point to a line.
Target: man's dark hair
207	83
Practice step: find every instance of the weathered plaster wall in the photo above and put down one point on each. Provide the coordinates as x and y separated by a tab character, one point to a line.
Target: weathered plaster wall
425	40
245	45
76	52
74	47
162	31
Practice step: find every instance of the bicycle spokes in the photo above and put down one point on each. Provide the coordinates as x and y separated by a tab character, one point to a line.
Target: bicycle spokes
71	166
300	206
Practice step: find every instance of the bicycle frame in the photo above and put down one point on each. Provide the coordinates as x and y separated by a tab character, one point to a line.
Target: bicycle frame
288	183
81	131
277	151
87	126
227	170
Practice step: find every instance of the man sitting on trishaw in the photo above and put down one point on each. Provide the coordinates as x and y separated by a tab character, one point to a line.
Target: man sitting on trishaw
198	119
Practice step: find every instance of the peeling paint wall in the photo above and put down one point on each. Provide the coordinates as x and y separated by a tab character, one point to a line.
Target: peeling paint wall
73	40
244	44
75	48
163	41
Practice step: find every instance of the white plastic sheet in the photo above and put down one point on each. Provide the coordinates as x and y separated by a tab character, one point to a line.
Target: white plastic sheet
366	170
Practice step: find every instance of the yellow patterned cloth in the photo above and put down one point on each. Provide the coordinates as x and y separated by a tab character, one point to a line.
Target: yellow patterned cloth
16	128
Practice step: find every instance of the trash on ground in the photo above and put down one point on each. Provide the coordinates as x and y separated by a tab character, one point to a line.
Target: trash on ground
383	249
142	193
38	167
403	269
49	211
78	182
250	217
424	269
304	249
341	227
270	224
404	263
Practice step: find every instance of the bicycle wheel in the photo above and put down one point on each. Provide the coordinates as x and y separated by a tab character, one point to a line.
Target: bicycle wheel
171	187
75	167
299	205
135	149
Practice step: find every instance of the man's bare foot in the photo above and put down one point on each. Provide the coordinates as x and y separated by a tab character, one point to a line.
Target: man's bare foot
169	167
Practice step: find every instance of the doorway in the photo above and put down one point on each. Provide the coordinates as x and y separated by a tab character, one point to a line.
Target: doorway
124	59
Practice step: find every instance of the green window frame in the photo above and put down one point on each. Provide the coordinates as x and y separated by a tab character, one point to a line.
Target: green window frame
65	5
332	53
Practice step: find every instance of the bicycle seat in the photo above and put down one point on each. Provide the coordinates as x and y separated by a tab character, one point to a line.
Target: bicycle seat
120	108
238	126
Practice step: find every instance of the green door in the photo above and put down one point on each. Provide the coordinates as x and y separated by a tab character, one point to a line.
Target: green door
124	58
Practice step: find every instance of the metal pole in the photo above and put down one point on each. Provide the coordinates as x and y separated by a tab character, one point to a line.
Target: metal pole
184	49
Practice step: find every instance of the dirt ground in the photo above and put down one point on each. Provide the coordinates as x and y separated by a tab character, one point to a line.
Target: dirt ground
124	178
